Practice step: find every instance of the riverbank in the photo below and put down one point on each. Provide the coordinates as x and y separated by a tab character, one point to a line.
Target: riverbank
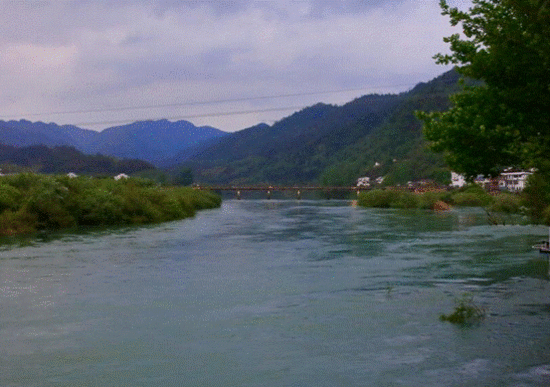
31	202
473	196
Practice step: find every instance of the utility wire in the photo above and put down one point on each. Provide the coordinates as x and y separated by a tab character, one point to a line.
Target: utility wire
193	116
196	103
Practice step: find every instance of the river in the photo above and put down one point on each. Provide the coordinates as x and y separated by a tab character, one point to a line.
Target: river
278	293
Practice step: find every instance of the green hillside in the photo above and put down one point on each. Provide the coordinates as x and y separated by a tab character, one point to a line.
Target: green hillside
332	145
294	150
397	145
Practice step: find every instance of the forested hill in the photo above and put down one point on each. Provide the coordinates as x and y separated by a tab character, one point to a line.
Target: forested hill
296	149
397	149
330	144
64	159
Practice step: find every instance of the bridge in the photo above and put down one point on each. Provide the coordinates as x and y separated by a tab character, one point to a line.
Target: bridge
298	190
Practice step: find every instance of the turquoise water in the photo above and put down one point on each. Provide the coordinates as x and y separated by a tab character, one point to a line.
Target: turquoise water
278	293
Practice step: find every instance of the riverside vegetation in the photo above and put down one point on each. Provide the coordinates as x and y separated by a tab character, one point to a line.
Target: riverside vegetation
469	196
31	202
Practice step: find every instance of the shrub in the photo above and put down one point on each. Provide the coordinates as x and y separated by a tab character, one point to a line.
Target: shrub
471	199
428	200
376	198
9	197
466	312
506	203
404	199
31	202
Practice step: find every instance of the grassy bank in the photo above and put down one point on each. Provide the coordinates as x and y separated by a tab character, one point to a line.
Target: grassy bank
31	202
469	197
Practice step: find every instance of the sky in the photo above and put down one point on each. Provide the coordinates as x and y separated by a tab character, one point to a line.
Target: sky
226	64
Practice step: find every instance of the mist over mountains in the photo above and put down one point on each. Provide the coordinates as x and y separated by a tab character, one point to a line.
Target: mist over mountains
373	135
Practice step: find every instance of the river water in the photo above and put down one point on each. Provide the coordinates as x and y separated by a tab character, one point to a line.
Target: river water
278	293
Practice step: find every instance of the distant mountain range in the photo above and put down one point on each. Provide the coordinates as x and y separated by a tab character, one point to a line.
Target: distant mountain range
374	135
152	141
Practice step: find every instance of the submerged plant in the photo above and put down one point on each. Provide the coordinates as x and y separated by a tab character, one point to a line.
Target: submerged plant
466	312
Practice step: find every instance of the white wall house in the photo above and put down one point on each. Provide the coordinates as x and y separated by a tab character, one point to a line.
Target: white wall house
513	180
363	182
457	180
121	176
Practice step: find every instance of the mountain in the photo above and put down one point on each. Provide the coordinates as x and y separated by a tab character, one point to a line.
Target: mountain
375	135
295	149
25	133
152	141
397	149
64	159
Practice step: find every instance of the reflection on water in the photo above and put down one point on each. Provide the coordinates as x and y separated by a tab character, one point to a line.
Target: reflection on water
262	293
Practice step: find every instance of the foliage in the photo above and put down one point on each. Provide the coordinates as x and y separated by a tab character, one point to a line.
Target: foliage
466	312
183	176
504	120
537	198
507	203
30	202
469	196
397	144
386	198
64	159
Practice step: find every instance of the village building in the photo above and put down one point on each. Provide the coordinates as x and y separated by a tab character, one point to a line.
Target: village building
363	182
513	180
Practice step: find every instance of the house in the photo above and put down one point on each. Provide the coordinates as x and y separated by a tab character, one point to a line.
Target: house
71	175
363	182
457	180
513	180
121	176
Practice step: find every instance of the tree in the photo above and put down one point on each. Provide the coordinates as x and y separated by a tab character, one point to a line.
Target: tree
184	176
503	119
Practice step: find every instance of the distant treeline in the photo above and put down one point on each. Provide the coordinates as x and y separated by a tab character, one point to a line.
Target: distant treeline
64	159
31	202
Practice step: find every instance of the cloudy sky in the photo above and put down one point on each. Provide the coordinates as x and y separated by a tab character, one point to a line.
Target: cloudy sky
228	64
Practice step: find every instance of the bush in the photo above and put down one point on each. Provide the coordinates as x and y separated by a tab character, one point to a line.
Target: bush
37	202
428	200
466	312
471	199
506	203
9	197
398	199
377	198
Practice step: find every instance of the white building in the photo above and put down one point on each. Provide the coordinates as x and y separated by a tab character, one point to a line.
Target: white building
363	182
121	176
513	180
457	180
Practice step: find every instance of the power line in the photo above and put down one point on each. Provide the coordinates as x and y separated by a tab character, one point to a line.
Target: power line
198	103
193	116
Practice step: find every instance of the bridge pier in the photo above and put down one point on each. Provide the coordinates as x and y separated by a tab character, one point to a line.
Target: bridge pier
238	195
298	195
268	194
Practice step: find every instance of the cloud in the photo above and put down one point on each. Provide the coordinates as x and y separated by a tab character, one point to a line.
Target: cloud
64	56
